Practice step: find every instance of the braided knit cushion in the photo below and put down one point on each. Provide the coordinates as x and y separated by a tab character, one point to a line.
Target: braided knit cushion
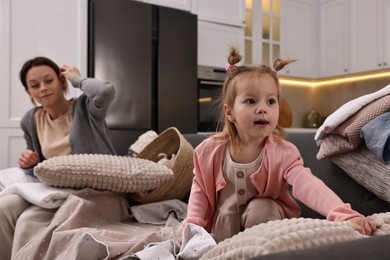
103	172
282	235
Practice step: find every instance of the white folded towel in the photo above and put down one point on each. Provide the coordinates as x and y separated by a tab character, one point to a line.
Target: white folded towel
39	194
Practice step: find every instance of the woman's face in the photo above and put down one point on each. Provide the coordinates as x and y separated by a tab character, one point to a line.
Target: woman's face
44	86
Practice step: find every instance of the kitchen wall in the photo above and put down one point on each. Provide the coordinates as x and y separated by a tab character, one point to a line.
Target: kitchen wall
300	100
326	99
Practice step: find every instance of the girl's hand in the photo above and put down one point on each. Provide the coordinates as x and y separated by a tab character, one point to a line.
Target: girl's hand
179	232
28	159
363	225
69	72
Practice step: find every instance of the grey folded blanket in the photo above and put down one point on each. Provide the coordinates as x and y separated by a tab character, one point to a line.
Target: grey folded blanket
376	136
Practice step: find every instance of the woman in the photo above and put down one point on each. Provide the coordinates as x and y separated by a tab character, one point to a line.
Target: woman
57	127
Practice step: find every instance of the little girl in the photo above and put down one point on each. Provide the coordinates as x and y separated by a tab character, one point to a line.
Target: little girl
242	172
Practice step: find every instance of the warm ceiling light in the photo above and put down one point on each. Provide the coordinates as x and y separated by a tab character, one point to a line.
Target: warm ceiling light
324	82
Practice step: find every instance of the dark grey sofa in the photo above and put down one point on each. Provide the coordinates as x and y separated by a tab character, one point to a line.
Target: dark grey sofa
347	189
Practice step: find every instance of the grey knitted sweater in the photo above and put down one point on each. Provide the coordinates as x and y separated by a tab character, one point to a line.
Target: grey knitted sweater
88	131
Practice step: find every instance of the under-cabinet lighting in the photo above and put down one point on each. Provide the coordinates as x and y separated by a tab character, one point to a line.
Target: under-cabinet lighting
334	81
295	82
205	99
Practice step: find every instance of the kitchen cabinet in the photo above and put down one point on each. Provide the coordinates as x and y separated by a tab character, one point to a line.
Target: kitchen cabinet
230	12
369	35
220	25
354	36
297	26
214	41
58	31
333	38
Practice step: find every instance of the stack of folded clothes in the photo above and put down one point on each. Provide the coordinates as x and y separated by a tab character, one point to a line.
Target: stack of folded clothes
356	138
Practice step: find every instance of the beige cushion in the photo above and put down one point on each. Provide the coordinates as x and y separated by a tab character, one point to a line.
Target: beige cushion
103	172
281	235
367	170
291	234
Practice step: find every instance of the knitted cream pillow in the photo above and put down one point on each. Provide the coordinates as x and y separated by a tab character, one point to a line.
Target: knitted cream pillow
291	234
103	172
282	235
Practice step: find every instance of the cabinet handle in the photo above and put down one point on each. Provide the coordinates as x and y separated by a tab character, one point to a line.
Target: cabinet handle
345	70
384	63
379	64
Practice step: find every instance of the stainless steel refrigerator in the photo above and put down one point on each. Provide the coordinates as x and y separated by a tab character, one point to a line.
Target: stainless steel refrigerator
149	53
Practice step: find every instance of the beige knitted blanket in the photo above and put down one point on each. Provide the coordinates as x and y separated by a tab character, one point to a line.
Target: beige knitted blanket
290	234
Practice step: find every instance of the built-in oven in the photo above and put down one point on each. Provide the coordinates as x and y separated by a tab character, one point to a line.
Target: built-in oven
210	83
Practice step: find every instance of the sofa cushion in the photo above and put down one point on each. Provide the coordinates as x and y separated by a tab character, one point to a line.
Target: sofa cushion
366	169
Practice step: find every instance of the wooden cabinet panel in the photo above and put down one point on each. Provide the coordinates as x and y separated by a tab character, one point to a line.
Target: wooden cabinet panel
354	36
297	38
365	36
230	12
12	144
333	38
214	41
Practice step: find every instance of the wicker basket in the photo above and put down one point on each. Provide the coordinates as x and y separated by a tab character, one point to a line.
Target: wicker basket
169	142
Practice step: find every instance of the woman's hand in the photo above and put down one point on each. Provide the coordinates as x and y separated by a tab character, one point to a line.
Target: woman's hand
69	72
28	159
363	225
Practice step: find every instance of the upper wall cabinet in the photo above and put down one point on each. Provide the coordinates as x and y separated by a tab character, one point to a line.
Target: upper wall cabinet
369	35
230	12
220	25
333	35
354	36
214	41
297	37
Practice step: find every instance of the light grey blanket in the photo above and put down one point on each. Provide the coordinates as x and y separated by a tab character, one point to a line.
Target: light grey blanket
376	135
